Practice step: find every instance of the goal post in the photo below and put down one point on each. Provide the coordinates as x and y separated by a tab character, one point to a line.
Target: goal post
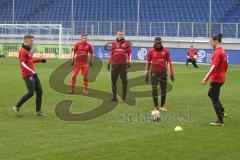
49	39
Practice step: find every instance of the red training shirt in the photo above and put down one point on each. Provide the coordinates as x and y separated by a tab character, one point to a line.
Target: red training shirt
81	50
219	66
159	60
120	52
191	53
26	57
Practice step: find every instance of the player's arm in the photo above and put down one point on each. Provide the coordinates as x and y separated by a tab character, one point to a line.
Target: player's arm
129	50
206	78
111	56
147	68
196	53
147	72
91	56
39	60
170	66
74	52
23	60
73	55
91	59
214	65
188	54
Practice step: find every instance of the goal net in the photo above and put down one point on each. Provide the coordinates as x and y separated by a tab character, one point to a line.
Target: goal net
50	40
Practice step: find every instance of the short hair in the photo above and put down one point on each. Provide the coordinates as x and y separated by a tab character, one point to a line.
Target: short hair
28	36
191	46
120	30
217	37
84	35
158	39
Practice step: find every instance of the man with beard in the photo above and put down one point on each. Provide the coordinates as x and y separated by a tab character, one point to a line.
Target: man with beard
119	62
217	74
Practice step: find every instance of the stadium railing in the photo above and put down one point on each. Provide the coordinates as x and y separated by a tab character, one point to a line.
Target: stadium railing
164	29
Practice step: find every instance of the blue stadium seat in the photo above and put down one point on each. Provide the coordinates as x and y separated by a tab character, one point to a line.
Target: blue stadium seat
126	11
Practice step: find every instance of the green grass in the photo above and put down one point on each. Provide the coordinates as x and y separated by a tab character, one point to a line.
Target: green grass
113	136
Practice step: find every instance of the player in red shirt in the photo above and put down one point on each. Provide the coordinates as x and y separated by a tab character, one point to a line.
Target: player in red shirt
192	56
158	58
30	76
217	74
119	60
80	62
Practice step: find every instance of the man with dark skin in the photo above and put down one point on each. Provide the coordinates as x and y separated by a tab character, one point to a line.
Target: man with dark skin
158	60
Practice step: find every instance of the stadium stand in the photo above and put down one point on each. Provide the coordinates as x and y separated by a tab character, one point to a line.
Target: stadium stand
123	14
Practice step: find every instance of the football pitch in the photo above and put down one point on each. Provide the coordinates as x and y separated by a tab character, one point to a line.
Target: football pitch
125	133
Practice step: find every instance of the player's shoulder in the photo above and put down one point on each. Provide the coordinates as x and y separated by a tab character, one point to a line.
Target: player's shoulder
166	50
220	51
195	51
89	44
150	50
127	41
127	44
114	41
77	44
23	51
223	53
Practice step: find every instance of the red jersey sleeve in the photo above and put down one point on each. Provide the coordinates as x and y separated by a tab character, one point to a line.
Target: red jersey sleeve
37	60
169	62
111	54
195	52
214	65
167	55
90	49
129	50
75	48
217	60
149	56
22	57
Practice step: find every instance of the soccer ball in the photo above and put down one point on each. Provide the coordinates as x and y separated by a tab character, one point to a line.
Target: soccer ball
155	115
195	56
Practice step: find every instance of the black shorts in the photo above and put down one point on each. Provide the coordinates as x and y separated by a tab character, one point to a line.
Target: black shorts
158	77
